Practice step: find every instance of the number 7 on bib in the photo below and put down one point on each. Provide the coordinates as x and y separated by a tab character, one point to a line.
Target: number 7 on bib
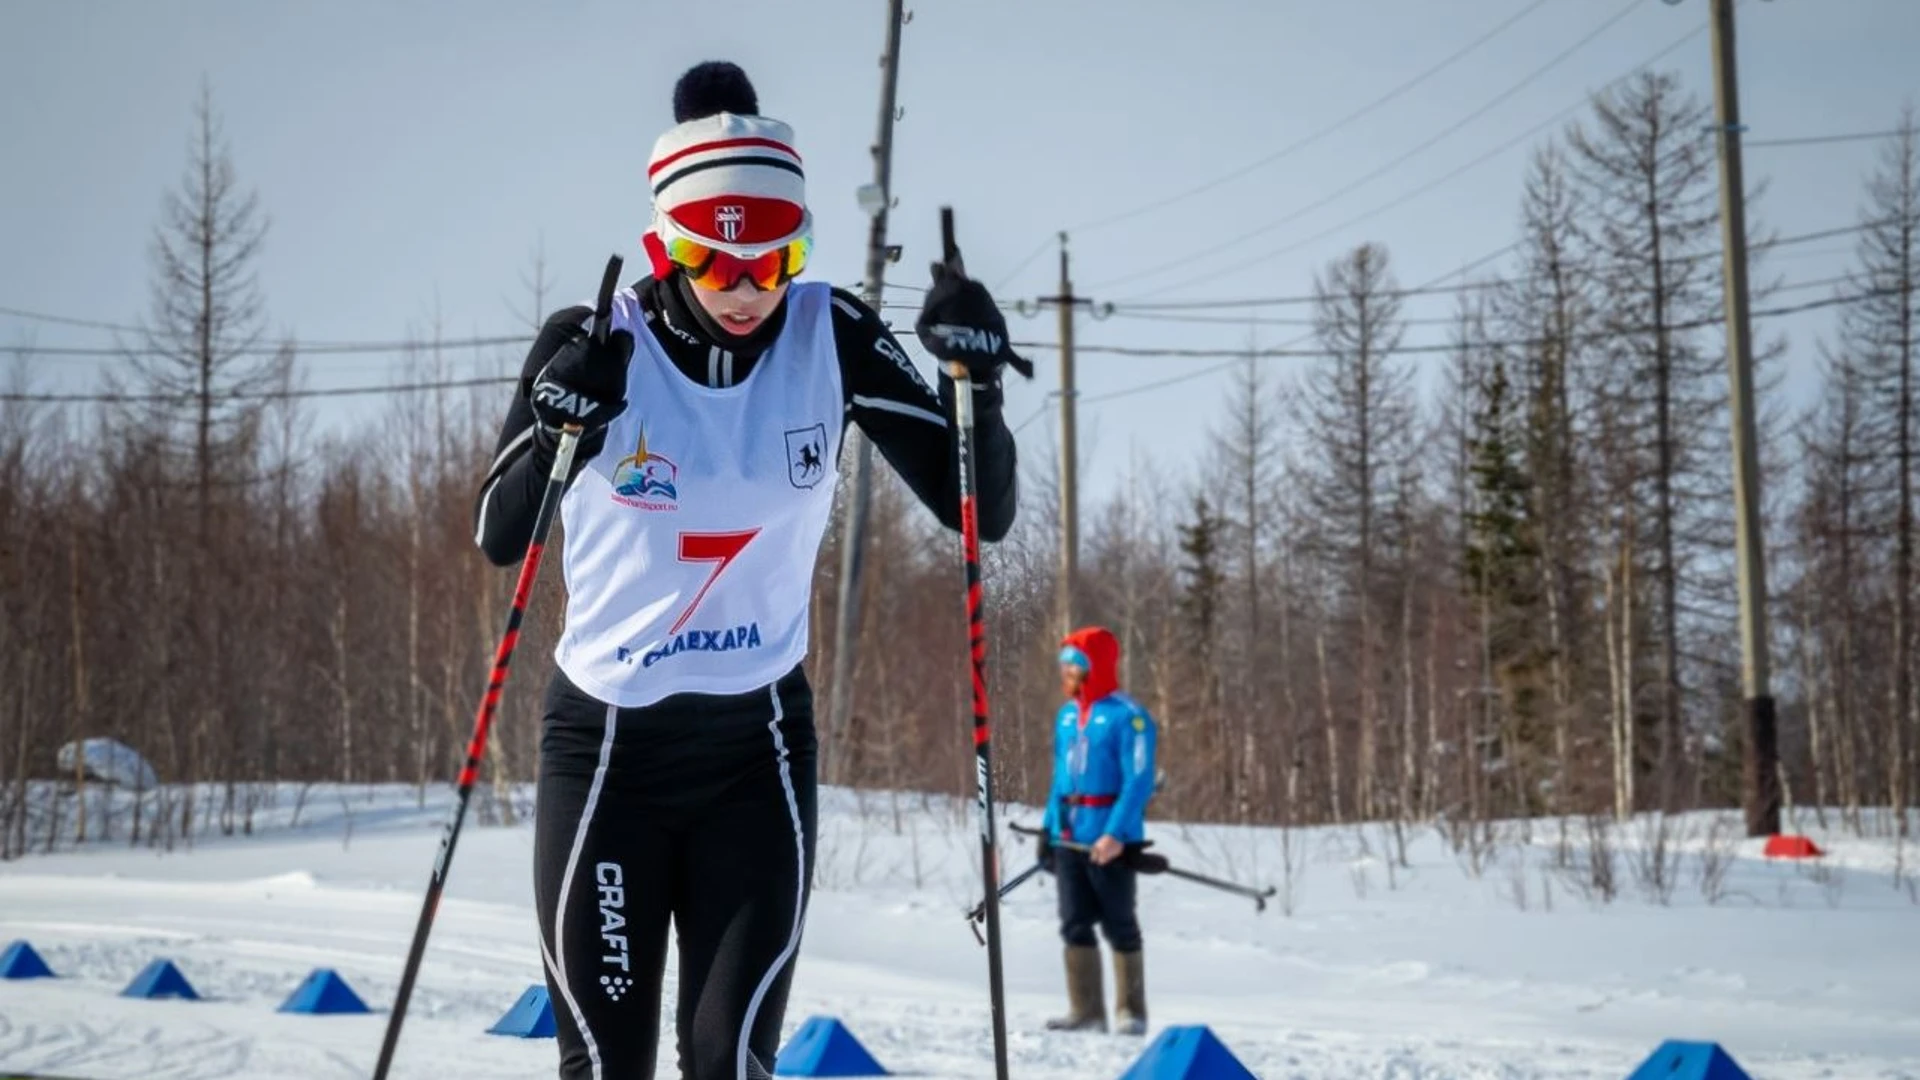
721	549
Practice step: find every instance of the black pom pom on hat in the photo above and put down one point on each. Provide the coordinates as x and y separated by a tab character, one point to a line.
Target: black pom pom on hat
713	87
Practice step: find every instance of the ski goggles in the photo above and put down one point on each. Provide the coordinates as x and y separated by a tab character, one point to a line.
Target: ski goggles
1072	657
709	265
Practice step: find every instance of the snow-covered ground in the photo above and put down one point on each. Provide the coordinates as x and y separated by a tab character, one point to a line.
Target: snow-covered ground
1417	972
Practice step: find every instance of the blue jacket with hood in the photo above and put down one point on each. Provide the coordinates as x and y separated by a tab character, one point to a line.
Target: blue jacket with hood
1103	753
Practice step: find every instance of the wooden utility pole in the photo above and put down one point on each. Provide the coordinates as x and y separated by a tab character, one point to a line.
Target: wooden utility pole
1067	303
876	198
1760	788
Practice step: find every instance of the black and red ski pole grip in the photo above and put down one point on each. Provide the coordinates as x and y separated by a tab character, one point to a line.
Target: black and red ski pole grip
496	684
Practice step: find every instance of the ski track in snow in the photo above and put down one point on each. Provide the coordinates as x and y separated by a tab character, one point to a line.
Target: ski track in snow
1435	974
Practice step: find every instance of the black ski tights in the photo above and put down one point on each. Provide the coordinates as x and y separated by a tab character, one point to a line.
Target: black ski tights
699	810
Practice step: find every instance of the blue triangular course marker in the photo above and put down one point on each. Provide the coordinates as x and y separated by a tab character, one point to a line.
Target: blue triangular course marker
324	992
160	979
21	962
1187	1053
530	1018
1689	1061
824	1047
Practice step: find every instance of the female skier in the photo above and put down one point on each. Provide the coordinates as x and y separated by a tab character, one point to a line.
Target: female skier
676	778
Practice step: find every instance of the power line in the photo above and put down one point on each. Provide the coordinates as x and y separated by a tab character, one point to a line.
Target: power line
1031	417
1131	310
1518	343
1161	311
311	348
1348	188
1024	263
1423	189
1302	143
1413	194
1475	286
1159	385
1440	320
67	320
266	395
1216	369
1295	300
1421	289
1481	261
1249	320
1815	140
1819	283
1113	350
345	347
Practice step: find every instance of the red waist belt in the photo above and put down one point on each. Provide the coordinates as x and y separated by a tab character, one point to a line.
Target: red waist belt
1091	800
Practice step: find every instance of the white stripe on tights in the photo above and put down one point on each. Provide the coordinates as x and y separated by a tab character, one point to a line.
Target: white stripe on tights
799	889
558	965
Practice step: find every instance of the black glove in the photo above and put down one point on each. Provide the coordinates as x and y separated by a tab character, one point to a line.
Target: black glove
585	383
959	322
1043	850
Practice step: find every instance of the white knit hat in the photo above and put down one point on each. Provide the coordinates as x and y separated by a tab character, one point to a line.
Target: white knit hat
730	179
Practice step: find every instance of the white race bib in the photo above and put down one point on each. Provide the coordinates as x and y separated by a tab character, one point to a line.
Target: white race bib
690	539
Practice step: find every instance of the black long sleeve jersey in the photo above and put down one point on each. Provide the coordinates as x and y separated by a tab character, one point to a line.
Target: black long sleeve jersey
885	395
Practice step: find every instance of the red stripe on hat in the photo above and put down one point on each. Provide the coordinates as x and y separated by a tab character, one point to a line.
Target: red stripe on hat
760	220
719	144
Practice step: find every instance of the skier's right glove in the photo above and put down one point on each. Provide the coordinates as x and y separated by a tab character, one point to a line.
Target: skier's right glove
1043	850
584	383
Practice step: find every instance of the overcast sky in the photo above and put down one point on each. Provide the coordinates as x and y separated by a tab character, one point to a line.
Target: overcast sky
411	159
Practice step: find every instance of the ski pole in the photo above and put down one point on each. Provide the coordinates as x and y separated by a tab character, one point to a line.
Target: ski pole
1148	863
496	681
977	637
1258	896
980	909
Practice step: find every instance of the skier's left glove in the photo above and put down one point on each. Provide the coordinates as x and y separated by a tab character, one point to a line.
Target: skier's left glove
1043	852
960	323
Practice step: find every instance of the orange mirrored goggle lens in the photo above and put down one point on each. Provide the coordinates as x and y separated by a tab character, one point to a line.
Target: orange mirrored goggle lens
712	268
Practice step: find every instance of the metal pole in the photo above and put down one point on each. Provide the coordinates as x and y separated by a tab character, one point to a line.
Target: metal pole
853	536
1760	790
1069	452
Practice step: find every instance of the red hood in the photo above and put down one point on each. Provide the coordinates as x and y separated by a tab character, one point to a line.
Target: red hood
1103	652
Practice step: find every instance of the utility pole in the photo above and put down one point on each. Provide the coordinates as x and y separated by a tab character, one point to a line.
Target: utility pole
876	199
1760	788
1067	303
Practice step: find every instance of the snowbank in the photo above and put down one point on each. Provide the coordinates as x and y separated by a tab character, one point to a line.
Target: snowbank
111	762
